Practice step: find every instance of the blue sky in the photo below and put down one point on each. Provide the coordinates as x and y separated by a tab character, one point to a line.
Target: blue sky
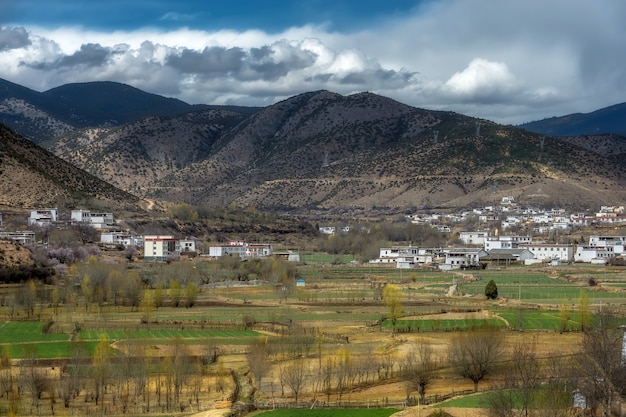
508	61
269	15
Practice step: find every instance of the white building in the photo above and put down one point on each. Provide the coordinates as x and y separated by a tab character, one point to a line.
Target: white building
187	245
97	220
23	237
473	238
550	252
593	254
616	242
120	238
43	217
457	258
506	242
161	248
241	249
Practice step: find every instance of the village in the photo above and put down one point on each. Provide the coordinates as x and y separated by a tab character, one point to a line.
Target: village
491	242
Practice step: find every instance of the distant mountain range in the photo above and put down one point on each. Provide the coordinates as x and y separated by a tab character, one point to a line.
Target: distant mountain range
314	150
609	120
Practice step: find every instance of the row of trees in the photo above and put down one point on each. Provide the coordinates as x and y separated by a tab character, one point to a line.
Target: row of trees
115	381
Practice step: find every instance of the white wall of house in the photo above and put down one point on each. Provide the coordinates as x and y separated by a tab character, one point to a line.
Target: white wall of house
43	217
473	238
548	252
593	254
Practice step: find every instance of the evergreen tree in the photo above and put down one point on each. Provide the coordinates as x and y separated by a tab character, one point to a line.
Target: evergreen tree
491	290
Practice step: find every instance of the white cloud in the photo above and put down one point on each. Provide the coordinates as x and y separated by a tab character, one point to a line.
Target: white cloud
482	80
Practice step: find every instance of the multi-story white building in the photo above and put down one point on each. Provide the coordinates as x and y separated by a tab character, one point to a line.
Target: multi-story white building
616	242
457	258
550	252
23	237
473	238
121	238
506	242
161	248
241	249
97	220
593	254
43	217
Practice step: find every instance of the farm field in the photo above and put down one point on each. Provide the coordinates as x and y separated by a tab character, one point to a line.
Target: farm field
337	321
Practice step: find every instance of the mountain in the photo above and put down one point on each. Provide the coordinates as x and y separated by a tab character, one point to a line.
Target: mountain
31	176
44	116
322	149
315	150
609	120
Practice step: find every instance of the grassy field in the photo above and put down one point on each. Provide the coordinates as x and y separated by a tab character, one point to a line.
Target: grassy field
339	315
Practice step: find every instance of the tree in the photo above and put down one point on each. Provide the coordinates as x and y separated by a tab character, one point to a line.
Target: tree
191	294
392	299
600	368
563	317
474	353
420	365
258	361
491	290
585	313
294	376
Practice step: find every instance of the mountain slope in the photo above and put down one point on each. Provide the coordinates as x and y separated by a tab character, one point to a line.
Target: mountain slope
325	150
609	120
136	155
30	176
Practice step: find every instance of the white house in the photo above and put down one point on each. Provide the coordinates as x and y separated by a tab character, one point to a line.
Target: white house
506	242
549	252
23	237
327	230
161	248
120	238
593	254
457	258
616	242
187	245
473	238
97	220
43	217
241	249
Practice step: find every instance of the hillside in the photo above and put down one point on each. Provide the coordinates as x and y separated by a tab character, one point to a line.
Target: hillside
609	120
136	155
314	150
30	176
325	150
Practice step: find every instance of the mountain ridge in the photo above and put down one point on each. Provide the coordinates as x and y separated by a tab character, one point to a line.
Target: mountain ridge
321	149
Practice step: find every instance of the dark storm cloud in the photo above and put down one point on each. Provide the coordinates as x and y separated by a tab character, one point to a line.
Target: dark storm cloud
213	60
276	61
89	55
378	77
267	63
13	38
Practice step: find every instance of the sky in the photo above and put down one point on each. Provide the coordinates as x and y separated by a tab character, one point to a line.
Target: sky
510	61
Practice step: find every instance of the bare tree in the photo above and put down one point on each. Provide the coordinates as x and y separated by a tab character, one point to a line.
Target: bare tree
295	375
474	353
419	367
520	383
258	361
600	368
